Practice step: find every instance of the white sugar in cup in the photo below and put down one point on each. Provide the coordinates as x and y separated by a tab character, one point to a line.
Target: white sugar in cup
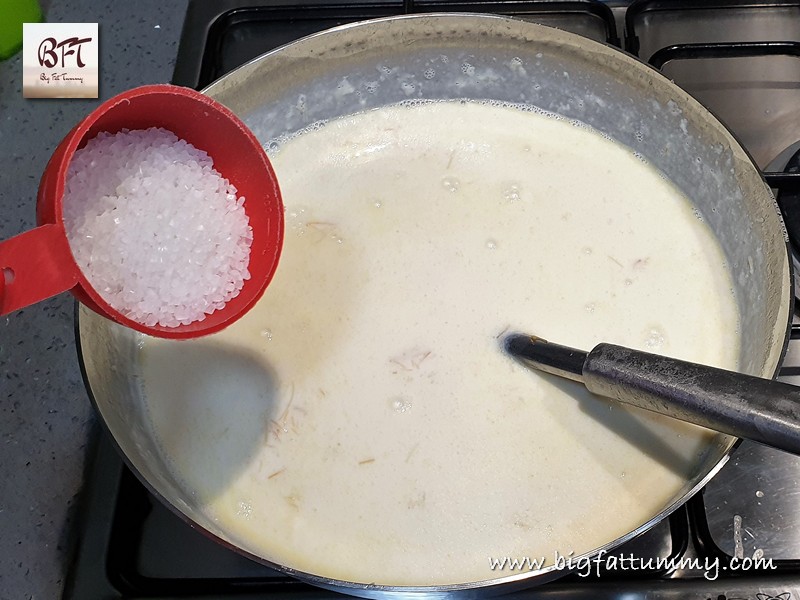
40	263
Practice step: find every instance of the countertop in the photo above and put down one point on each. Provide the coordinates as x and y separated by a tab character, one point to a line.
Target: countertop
46	421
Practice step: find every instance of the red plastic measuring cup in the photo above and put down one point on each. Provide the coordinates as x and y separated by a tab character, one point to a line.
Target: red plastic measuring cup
38	264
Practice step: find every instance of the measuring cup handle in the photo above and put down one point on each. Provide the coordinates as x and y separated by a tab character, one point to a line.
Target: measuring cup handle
34	266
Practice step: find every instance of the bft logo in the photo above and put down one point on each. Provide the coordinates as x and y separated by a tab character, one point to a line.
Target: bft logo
59	60
48	57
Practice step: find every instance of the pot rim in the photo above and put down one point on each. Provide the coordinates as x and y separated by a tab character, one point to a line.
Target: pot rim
508	583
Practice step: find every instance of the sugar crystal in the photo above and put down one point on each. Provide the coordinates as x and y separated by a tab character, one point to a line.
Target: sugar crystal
156	230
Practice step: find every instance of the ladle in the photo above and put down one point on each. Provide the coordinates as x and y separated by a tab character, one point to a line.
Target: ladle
741	405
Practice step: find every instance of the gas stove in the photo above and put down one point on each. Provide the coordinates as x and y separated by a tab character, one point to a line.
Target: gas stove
741	59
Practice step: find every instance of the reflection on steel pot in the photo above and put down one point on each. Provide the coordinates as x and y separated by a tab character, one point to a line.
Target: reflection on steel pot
175	443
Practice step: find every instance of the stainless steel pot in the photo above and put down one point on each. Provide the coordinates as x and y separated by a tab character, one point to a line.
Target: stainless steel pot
371	64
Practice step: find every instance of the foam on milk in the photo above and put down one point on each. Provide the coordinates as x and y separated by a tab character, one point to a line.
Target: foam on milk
377	432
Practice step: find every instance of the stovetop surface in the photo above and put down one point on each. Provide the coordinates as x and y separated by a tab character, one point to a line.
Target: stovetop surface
132	546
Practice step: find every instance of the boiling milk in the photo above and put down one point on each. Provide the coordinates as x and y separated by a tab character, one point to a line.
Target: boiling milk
363	423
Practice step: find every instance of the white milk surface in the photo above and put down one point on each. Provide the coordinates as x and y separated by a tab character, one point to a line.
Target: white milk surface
363	422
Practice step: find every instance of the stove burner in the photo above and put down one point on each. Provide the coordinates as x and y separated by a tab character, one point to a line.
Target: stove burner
131	546
789	203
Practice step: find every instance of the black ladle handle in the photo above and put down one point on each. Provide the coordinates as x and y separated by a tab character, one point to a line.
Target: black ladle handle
748	407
